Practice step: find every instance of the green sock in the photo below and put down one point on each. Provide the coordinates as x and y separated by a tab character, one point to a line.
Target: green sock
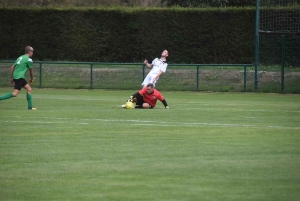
29	100
6	96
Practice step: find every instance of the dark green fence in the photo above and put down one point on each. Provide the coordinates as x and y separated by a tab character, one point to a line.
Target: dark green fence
94	75
179	77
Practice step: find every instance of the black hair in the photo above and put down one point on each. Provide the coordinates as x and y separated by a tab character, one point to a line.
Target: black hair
150	85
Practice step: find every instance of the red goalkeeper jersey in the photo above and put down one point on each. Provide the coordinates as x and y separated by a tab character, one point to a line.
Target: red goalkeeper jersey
151	98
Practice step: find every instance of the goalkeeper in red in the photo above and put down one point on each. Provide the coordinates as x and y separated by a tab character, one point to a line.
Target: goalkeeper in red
147	97
17	76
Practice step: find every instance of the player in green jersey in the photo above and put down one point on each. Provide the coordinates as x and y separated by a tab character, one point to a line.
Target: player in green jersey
17	76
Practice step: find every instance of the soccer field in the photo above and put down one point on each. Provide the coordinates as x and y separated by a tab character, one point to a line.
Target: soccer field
81	145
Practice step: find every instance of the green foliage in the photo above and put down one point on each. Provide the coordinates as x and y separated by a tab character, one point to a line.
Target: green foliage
77	3
279	3
130	34
123	34
145	3
271	49
209	3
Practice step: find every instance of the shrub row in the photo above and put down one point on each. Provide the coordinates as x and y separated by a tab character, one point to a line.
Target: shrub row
211	35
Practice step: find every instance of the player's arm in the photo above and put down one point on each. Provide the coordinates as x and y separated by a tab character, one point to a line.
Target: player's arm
147	64
31	75
163	100
12	68
165	103
154	79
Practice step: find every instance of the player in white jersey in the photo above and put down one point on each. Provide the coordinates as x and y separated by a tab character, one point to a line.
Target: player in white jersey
158	66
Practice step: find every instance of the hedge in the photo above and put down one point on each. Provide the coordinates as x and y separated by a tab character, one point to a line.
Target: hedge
119	34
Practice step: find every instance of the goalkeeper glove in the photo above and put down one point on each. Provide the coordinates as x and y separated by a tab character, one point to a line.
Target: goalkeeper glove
167	107
130	99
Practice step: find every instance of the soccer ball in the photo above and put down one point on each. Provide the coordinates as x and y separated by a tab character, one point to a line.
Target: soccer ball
129	105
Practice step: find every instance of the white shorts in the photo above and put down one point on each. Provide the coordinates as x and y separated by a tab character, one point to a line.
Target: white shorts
148	79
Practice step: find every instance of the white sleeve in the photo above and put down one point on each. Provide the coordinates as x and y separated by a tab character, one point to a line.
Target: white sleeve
154	60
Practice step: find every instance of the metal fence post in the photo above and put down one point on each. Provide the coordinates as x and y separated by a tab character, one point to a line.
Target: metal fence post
256	56
282	62
197	79
41	76
245	78
91	77
143	72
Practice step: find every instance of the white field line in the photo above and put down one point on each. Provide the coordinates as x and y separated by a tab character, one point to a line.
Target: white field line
186	103
178	106
70	98
232	104
216	125
234	109
42	122
145	122
77	99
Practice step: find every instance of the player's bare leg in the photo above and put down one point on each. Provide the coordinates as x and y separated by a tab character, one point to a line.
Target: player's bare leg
15	92
146	105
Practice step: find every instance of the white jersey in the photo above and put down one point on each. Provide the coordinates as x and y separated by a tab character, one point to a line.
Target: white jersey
158	65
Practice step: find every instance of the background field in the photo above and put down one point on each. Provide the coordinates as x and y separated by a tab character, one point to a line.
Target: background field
80	145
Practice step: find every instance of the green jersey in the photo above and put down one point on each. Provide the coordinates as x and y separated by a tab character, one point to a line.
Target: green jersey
21	65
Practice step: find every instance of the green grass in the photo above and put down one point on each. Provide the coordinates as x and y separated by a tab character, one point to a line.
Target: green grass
80	145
